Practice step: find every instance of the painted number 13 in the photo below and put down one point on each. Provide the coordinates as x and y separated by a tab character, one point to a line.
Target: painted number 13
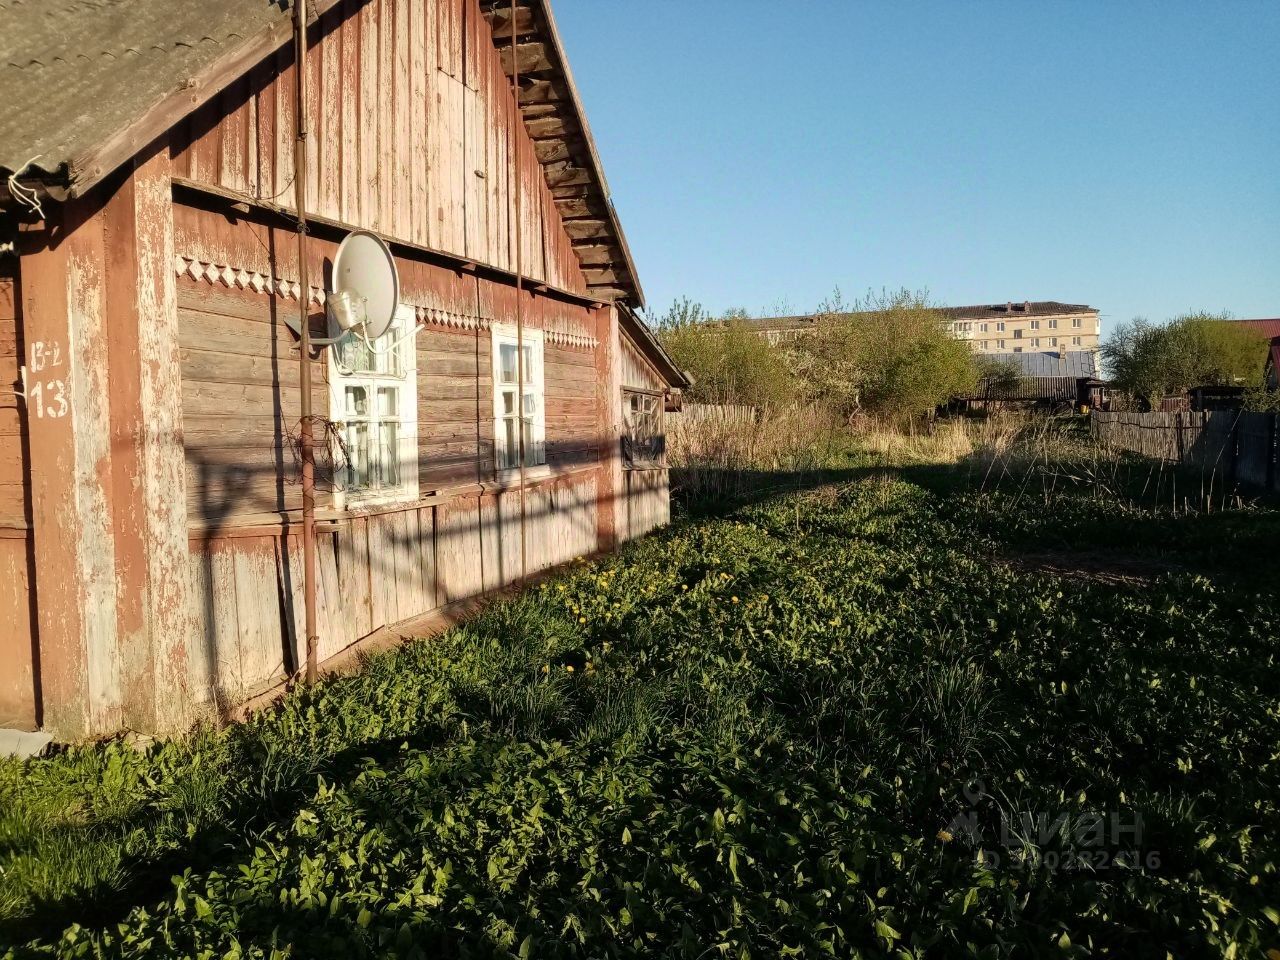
48	399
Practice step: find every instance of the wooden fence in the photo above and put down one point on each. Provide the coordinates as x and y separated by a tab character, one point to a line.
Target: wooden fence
1239	446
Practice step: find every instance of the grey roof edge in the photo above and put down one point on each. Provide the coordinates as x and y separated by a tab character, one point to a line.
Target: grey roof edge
75	175
648	341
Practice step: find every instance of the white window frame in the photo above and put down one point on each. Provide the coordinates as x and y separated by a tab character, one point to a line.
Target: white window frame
1053	324
1035	324
1077	323
535	386
405	416
1000	327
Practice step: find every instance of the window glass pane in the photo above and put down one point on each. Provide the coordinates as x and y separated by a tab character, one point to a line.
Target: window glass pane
528	363
509	452
388	455
507	362
530	447
356	356
357	456
388	402
508	403
357	402
530	403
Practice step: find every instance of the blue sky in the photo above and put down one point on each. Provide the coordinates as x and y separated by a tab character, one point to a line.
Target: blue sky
763	152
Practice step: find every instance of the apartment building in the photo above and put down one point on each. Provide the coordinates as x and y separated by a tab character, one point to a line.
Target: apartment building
1026	327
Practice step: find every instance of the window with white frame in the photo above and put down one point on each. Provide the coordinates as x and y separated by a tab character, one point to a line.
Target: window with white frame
1077	323
984	328
1053	324
1001	343
1075	341
1000	327
1053	341
373	403
1035	324
514	416
1035	342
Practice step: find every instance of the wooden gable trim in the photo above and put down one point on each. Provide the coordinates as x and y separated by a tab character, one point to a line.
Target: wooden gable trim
553	114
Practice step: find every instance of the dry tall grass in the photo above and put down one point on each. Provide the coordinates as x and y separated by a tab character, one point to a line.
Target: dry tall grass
723	452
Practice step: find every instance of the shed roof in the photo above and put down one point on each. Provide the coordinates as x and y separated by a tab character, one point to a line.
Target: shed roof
1056	363
158	60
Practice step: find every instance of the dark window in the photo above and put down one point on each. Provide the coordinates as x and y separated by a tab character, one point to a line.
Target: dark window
643	440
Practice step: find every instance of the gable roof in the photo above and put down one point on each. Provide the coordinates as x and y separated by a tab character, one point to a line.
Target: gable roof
1268	328
997	311
1022	308
161	59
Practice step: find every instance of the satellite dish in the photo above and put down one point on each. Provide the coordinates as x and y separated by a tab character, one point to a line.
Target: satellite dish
366	287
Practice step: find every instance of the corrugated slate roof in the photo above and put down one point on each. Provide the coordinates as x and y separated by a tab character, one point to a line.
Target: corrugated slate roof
998	311
1065	363
1023	308
76	73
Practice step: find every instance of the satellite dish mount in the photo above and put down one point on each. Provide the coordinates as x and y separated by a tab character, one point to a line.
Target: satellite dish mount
365	294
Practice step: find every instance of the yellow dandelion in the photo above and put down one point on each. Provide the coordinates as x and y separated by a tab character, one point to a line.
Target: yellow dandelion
546	668
569	667
735	599
945	836
582	619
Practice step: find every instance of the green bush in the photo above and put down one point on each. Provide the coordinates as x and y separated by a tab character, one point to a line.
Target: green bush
891	356
1198	349
728	362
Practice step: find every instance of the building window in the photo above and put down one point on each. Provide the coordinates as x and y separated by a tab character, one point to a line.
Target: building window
1053	341
1017	334
643	440
1000	327
984	328
1000	344
515	417
1017	349
1035	342
1053	324
1077	323
373	399
1075	341
1035	324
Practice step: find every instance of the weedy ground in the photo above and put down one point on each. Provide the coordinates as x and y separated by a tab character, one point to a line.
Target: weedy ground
840	721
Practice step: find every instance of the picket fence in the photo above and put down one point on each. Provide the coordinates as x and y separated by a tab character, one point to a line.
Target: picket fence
1238	446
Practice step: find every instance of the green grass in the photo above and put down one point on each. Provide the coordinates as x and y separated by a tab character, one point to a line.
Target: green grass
777	726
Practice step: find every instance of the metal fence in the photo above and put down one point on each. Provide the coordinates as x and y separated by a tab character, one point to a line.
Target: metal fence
1239	446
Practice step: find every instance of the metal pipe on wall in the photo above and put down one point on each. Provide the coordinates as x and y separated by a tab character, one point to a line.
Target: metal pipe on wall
520	447
306	443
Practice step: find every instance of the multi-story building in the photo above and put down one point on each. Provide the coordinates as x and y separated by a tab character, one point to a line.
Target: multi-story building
1026	327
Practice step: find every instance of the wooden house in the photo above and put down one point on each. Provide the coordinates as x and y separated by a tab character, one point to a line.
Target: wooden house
150	521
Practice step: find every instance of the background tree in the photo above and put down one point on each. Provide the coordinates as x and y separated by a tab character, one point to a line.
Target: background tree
889	354
728	361
1197	349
